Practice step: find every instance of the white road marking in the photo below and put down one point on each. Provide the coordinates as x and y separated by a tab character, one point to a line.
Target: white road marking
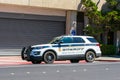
28	72
12	73
57	71
44	72
74	70
106	68
84	70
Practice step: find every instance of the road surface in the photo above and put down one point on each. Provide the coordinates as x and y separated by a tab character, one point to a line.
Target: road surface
87	71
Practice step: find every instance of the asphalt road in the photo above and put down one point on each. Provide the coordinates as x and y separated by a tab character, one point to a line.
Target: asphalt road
87	71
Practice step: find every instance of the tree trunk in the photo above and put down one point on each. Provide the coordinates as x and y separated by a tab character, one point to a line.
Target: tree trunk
105	34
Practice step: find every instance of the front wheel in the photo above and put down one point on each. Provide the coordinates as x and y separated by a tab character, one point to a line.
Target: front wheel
90	56
23	53
49	57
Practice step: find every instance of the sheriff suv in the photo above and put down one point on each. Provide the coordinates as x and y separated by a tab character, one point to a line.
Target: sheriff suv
73	48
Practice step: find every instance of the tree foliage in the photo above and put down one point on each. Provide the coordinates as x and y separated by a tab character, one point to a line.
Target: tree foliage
113	15
93	31
95	18
102	21
91	10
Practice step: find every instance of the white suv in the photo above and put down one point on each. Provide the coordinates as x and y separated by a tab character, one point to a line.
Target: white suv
73	48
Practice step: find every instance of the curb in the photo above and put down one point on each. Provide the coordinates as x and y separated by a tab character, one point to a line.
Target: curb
16	60
108	60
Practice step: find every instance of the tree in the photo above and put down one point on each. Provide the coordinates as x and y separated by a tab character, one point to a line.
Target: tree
102	22
111	17
93	31
95	19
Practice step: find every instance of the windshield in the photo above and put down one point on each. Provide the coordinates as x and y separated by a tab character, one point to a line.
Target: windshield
55	40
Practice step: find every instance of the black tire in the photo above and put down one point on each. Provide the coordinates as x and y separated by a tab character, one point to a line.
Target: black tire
22	53
90	56
49	57
36	62
74	61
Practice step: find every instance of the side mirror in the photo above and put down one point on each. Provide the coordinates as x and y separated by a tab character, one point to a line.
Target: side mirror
60	42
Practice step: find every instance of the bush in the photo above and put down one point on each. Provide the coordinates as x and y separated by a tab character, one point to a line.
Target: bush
108	49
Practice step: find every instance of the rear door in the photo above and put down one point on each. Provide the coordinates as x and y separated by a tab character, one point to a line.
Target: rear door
78	45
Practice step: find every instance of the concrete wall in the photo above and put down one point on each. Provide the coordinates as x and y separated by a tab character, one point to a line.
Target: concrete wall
55	4
30	10
16	2
45	4
71	21
58	4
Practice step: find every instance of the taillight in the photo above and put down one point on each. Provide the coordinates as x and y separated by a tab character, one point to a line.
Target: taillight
98	45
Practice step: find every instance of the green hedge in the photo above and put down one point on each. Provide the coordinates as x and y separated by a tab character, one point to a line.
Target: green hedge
108	49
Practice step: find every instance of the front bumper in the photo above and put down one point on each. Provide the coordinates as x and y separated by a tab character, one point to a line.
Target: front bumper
26	55
36	58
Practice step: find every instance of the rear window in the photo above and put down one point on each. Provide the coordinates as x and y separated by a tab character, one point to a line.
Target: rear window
93	40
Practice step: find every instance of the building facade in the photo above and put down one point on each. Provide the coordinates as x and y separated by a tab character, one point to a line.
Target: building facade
28	22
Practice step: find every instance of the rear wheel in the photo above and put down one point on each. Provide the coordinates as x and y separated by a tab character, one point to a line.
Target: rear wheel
49	57
90	56
74	61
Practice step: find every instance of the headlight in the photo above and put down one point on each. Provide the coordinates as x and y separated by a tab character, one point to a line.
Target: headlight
40	47
37	47
36	53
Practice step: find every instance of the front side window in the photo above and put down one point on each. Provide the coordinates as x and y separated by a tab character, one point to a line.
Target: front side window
66	40
78	40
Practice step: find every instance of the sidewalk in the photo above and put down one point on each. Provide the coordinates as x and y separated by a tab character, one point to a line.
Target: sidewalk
16	60
12	60
115	58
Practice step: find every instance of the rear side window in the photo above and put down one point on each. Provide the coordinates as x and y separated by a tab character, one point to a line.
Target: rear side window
93	40
78	40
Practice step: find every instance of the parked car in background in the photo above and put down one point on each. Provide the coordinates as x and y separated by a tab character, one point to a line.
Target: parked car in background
73	48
